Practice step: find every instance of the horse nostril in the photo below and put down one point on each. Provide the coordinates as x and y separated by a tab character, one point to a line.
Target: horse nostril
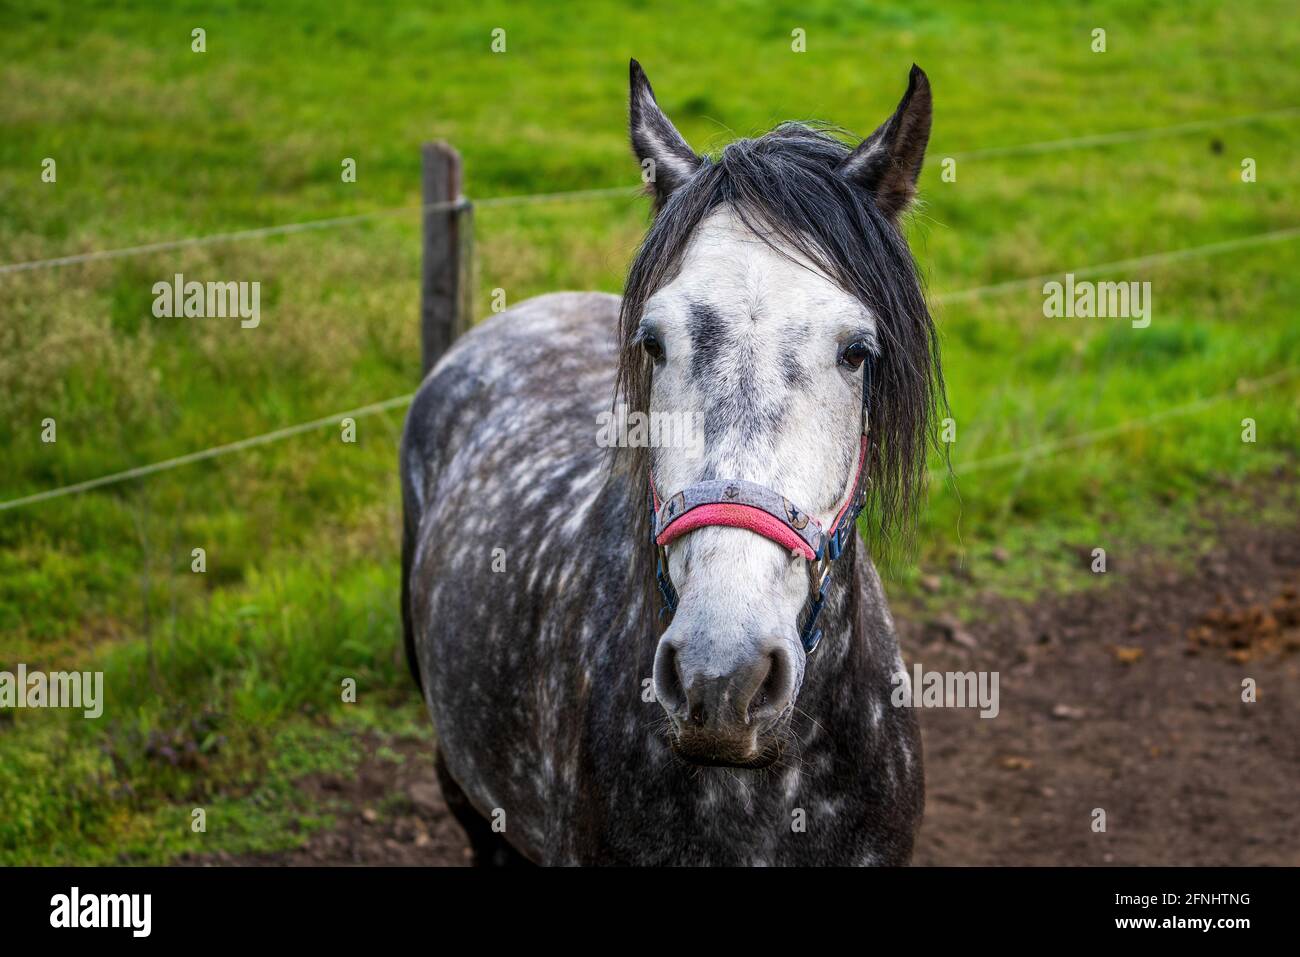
773	695
669	688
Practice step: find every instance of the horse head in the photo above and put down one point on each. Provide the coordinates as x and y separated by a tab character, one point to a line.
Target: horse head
775	304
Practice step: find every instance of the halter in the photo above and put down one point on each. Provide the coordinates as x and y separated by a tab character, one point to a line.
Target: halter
761	510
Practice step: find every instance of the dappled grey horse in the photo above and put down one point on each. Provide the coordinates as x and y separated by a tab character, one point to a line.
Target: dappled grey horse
678	651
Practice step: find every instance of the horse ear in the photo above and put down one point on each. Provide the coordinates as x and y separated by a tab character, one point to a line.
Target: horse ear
887	163
666	161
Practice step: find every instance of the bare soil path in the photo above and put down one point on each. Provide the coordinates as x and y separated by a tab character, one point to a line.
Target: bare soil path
1126	698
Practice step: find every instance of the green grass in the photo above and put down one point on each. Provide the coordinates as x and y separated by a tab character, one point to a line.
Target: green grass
222	710
155	142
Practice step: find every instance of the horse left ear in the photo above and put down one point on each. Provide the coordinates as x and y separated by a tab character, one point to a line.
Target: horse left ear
887	163
666	159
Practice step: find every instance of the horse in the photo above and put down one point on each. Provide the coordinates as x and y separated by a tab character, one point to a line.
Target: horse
680	653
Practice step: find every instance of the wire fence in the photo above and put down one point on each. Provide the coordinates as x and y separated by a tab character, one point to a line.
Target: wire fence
1123	136
1082	439
1026	455
1022	456
266	438
1136	262
1032	453
495	202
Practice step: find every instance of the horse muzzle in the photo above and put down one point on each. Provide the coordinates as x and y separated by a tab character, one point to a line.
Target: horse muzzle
726	706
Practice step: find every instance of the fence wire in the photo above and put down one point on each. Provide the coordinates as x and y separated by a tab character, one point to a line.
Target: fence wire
263	232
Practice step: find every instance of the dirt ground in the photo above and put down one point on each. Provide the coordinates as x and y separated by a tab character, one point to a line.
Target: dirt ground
1127	698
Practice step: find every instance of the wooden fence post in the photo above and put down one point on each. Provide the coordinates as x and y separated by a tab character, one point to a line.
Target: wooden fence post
446	294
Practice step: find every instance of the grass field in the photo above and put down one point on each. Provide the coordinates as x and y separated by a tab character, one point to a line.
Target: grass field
224	686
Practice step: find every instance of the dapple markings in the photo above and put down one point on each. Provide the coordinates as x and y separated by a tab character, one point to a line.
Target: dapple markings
769	276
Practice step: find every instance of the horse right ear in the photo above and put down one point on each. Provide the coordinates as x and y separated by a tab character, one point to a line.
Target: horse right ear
887	163
666	160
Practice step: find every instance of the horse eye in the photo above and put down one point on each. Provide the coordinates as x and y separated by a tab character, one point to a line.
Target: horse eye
653	348
854	354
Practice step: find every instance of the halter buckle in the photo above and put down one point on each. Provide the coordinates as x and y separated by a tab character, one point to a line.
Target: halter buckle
819	576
